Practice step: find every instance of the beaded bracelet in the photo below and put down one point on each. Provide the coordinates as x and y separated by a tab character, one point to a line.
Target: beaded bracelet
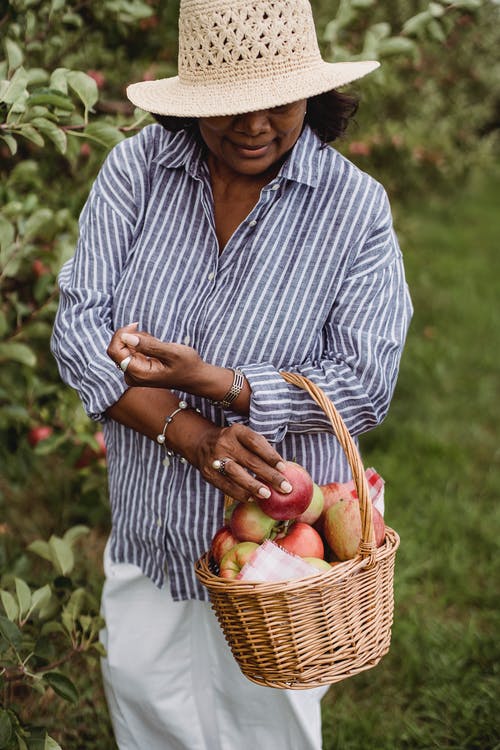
233	392
160	439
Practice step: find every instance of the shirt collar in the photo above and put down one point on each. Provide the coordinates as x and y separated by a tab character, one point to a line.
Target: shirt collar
182	150
302	165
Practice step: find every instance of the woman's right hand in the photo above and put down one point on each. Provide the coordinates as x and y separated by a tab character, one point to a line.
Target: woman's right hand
246	455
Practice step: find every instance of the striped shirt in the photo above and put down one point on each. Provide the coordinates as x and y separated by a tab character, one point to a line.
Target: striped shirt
312	281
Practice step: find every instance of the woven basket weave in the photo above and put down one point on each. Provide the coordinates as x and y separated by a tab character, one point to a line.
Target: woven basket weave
318	630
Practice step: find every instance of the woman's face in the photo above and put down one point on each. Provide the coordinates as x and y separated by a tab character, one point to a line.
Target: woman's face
253	143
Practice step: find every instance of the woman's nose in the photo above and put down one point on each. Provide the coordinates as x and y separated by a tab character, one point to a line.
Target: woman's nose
253	123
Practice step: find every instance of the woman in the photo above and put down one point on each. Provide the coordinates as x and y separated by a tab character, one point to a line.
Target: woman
215	251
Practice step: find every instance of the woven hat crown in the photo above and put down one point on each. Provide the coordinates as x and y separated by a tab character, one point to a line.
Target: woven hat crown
242	55
224	41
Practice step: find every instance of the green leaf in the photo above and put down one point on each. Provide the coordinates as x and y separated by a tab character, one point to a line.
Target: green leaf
5	728
436	31
50	445
436	9
41	597
84	87
38	223
49	97
29	132
99	647
11	351
7	233
417	23
74	533
11	143
23	593
15	54
86	622
48	628
16	87
396	45
50	129
62	555
73	608
104	133
10	605
62	685
469	5
37	76
50	743
41	548
56	5
10	632
59	78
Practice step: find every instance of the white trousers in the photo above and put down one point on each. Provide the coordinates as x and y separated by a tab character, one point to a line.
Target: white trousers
171	682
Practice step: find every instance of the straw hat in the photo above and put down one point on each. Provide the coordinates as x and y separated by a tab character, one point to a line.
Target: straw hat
239	56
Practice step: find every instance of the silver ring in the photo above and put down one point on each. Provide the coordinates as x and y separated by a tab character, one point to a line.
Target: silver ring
220	465
125	363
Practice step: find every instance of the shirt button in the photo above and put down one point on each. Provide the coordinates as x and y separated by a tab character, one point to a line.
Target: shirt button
275	186
252	223
187	339
211	276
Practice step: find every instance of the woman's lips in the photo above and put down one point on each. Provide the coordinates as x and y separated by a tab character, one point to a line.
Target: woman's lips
251	152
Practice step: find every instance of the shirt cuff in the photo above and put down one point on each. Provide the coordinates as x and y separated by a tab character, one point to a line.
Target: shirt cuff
270	402
101	386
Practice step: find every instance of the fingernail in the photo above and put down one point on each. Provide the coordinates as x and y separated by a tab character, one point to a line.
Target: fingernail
130	339
285	486
280	466
265	492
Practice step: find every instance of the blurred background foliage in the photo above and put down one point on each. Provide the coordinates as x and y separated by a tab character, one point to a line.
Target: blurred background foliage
428	123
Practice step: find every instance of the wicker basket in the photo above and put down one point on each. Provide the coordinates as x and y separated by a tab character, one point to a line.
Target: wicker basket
321	629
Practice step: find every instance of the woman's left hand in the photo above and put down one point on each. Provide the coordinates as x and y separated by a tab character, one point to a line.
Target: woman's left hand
157	364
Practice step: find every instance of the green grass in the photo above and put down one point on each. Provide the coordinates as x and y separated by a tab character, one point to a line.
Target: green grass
438	451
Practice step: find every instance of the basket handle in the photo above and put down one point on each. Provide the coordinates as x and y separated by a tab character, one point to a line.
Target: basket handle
367	545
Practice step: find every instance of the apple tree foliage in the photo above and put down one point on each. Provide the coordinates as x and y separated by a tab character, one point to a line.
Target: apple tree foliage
43	627
427	116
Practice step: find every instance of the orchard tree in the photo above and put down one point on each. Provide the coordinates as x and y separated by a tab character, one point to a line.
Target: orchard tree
427	116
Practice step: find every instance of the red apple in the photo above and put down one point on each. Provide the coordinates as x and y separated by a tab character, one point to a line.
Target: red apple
315	507
39	268
37	434
233	561
98	77
302	540
285	507
85	150
250	524
342	527
222	542
89	455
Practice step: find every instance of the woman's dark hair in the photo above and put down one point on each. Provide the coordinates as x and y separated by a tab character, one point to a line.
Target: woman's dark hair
327	114
174	124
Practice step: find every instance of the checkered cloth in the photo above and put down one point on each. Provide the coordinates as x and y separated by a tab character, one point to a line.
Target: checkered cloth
270	563
376	487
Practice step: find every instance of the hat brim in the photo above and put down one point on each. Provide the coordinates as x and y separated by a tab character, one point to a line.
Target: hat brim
175	98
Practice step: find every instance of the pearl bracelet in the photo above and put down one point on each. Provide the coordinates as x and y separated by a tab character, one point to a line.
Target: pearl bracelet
160	439
233	392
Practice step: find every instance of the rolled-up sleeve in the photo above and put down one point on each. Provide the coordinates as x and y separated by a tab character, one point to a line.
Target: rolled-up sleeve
84	321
